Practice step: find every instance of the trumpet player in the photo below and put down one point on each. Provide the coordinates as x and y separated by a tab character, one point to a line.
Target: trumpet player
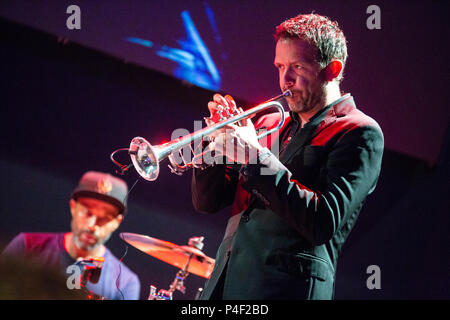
291	210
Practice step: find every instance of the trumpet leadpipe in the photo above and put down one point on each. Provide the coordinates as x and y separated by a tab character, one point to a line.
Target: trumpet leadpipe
146	158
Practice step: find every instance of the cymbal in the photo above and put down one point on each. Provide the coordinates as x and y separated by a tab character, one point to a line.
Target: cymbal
178	256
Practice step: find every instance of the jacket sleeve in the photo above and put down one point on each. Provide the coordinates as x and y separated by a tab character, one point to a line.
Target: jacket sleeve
213	188
349	175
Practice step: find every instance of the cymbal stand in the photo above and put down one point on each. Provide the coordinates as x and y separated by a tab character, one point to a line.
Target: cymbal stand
178	281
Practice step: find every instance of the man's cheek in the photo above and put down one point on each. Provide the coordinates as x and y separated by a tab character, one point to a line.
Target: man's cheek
103	232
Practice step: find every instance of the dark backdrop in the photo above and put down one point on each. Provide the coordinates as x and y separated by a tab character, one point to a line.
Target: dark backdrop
65	108
396	72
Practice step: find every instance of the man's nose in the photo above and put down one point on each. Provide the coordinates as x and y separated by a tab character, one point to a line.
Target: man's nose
288	78
92	222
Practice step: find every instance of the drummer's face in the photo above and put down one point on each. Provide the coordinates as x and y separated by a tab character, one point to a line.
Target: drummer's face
93	222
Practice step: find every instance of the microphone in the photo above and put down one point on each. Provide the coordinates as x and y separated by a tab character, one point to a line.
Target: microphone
91	269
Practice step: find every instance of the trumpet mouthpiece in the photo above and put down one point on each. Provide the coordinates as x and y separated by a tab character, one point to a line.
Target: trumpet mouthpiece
287	93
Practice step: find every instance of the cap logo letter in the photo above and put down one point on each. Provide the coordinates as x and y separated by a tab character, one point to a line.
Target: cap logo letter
104	186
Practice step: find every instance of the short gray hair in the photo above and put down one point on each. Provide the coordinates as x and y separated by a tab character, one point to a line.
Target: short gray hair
321	32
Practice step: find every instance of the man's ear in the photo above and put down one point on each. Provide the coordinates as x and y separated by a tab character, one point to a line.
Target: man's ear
116	222
333	70
72	204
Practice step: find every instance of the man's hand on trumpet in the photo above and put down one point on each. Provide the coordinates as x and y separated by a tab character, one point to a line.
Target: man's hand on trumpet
238	142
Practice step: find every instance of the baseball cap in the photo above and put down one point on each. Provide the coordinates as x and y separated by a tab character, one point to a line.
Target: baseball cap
104	187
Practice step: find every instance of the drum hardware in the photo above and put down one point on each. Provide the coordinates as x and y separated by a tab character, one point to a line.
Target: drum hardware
189	259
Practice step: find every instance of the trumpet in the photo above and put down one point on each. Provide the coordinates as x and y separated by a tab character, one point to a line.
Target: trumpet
146	157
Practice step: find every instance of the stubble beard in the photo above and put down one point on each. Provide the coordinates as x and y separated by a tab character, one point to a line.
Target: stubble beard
85	246
300	103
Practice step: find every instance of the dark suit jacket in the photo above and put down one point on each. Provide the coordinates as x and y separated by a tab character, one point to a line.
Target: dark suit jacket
289	226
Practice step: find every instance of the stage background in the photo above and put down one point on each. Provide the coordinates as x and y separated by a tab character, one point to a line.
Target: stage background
69	99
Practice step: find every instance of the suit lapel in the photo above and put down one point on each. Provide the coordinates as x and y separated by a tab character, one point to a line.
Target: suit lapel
319	122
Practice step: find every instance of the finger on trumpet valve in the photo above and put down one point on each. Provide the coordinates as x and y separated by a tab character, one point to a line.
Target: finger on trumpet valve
219	112
229	98
227	110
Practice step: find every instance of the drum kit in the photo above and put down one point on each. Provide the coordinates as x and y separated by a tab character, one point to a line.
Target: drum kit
188	258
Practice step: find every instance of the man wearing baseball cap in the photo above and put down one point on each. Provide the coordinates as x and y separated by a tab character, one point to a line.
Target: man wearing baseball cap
97	206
